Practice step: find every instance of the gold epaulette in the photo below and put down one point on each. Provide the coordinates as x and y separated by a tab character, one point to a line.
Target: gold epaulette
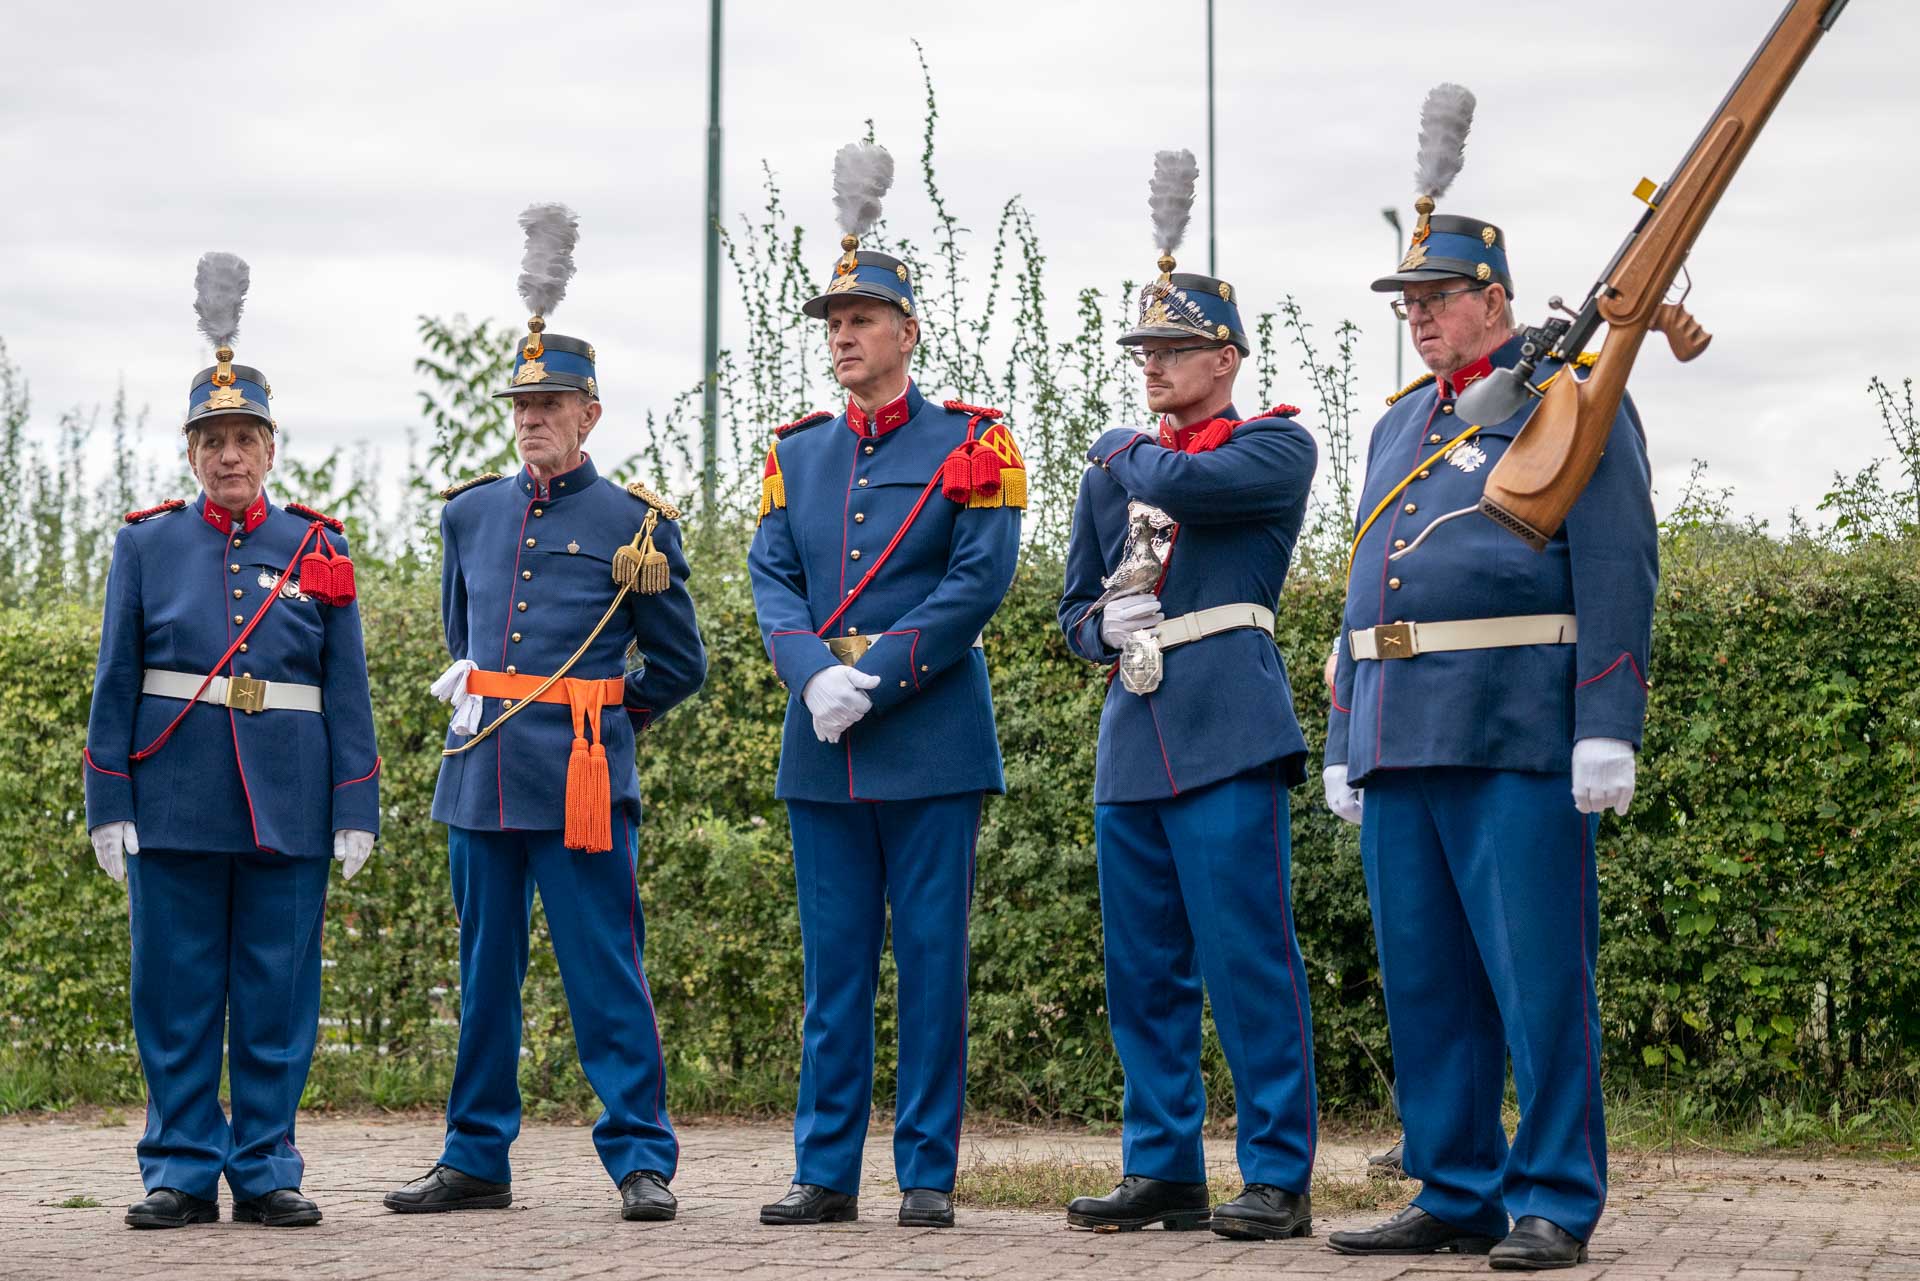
1413	386
654	500
1586	358
462	487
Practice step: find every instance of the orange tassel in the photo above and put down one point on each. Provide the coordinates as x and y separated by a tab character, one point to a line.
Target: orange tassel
956	474
600	799
589	815
579	798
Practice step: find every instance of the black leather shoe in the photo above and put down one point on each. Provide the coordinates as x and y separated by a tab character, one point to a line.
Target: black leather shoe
281	1208
1535	1245
445	1188
1389	1164
1412	1231
926	1208
644	1197
1264	1213
809	1203
1141	1202
171	1208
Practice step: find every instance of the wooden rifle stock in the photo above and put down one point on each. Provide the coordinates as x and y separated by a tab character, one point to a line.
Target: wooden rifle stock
1537	481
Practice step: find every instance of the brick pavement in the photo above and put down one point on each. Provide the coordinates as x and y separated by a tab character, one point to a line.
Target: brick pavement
1715	1218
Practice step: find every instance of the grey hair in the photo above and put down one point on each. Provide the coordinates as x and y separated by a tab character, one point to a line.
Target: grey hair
193	432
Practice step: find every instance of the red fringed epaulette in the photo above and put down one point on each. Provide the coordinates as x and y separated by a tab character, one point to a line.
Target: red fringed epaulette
801	424
161	509
331	522
985	469
1282	410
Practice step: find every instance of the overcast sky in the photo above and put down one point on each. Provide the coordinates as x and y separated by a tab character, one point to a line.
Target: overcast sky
369	160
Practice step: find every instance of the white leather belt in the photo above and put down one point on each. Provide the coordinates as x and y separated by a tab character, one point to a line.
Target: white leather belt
243	693
1404	640
1202	623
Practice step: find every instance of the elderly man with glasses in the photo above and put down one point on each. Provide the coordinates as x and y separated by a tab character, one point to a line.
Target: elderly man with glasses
1487	703
1181	540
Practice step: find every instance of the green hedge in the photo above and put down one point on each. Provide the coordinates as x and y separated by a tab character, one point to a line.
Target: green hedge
1761	914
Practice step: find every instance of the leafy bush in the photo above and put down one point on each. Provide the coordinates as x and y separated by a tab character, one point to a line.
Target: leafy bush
1760	902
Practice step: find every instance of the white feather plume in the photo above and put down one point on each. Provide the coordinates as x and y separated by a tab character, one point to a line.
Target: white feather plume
220	291
552	231
1170	196
862	174
1445	118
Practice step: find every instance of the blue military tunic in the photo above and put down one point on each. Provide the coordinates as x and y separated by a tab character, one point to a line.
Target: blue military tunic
235	813
182	586
1191	818
1224	705
1514	708
1481	873
527	573
848	492
888	816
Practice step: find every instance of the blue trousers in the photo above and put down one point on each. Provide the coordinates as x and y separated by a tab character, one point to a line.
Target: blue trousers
850	862
1199	888
593	915
226	948
1486	915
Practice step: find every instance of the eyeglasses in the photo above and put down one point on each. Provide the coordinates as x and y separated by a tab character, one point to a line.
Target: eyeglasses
1169	356
1433	304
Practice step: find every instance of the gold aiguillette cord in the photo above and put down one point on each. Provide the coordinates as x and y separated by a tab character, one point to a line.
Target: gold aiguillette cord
627	582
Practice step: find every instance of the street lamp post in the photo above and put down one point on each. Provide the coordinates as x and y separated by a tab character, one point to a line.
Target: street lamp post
1213	268
710	389
1392	216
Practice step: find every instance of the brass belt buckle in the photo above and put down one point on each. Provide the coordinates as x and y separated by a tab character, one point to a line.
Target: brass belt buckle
849	649
1393	640
247	694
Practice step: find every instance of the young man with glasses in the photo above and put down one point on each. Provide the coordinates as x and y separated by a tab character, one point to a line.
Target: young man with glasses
1487	702
1181	540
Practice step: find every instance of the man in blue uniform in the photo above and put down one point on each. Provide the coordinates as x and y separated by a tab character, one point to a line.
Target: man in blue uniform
889	534
1181	540
1488	701
230	753
538	787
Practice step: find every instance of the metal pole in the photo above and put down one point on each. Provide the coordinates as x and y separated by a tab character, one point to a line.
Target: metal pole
1392	216
710	399
1213	268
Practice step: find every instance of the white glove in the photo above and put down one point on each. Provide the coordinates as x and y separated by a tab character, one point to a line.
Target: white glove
1602	775
834	696
452	688
1122	618
112	842
351	849
1342	800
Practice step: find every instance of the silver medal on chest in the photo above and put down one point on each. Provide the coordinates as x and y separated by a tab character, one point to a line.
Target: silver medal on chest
1467	456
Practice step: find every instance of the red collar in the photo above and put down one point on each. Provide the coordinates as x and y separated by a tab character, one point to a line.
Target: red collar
1202	436
884	419
1461	379
221	519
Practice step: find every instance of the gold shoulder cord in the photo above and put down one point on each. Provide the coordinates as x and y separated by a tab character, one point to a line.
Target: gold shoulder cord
1584	360
638	564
